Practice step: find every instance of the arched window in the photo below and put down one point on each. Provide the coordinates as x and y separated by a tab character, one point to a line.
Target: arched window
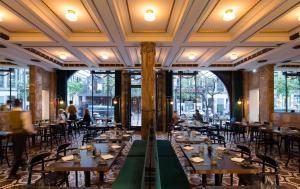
203	91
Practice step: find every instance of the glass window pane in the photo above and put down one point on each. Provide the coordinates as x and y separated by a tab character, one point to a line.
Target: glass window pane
293	93
279	92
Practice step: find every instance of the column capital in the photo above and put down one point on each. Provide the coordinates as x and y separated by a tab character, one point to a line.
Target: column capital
148	47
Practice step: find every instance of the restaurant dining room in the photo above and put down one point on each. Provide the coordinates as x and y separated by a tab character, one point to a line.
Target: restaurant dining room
150	94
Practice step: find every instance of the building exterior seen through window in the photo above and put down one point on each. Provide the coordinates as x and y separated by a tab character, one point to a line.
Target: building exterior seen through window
203	91
286	91
19	85
94	91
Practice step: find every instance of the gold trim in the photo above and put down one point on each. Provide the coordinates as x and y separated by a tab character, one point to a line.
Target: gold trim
150	31
73	31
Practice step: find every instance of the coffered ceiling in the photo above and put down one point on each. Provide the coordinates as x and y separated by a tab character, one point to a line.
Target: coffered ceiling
189	34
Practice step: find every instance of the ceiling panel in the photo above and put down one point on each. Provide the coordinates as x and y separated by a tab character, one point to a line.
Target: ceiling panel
57	51
191	54
15	24
105	54
215	23
162	9
85	23
285	23
239	53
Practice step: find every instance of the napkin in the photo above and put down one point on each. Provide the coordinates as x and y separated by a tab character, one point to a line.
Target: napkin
188	147
67	158
197	159
107	156
179	137
86	147
237	159
221	148
126	135
114	146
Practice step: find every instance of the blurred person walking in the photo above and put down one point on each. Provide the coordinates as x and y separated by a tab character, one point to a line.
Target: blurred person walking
20	125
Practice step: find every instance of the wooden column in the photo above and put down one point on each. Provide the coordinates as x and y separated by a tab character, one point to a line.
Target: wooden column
32	89
125	98
148	87
161	101
35	92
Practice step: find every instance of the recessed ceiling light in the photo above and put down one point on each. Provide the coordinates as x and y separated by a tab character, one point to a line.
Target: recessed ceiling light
191	56
254	70
104	56
71	15
63	56
149	15
299	18
233	56
229	15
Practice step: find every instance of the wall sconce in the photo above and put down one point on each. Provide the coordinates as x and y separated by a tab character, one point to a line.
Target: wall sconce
239	102
115	101
171	102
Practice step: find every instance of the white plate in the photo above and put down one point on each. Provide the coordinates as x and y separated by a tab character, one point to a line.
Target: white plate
237	159
197	159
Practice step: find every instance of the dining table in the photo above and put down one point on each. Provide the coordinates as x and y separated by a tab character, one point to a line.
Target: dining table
85	160
216	160
189	137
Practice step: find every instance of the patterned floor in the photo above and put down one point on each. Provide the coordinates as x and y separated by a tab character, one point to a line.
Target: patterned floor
289	176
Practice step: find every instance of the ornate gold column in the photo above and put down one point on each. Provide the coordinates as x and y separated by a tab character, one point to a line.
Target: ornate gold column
148	87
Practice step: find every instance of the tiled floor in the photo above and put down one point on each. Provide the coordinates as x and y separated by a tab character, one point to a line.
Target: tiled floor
289	176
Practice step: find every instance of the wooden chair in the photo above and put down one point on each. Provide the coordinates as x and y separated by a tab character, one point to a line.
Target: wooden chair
265	161
37	165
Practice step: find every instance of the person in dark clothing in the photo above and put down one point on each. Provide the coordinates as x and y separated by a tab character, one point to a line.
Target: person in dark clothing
20	126
87	118
198	117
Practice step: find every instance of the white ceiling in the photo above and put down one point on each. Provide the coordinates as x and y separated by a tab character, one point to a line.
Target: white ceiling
39	30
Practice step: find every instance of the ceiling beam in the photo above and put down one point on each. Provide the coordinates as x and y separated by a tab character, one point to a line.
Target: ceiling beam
30	11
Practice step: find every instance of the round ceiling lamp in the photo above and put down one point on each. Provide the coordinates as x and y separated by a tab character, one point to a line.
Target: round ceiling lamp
229	15
149	15
63	56
233	56
71	15
191	56
104	56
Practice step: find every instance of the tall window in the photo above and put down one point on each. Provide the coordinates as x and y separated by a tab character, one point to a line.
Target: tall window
200	90
20	85
286	91
93	90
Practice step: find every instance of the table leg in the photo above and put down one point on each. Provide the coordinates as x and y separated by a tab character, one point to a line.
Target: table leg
87	178
204	180
218	179
76	178
101	177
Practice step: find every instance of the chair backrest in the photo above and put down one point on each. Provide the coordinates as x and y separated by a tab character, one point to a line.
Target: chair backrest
62	149
36	160
271	163
244	150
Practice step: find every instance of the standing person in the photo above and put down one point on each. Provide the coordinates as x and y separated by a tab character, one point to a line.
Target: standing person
72	111
20	125
175	118
198	117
